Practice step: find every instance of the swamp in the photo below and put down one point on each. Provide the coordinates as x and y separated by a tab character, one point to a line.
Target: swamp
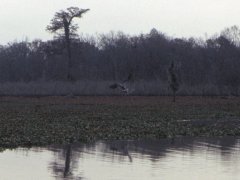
119	90
39	121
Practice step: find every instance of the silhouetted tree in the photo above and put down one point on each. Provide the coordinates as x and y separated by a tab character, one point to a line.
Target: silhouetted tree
62	24
232	34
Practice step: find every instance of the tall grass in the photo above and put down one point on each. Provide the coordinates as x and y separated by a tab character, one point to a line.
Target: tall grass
59	88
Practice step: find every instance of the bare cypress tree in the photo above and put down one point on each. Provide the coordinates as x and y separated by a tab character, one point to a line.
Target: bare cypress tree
173	81
62	25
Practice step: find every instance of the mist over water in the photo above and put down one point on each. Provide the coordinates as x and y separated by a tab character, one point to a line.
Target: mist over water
182	158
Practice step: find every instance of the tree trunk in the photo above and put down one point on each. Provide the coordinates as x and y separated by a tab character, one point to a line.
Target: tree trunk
174	96
69	53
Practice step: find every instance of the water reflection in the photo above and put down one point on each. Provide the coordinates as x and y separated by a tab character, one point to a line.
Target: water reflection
65	161
183	158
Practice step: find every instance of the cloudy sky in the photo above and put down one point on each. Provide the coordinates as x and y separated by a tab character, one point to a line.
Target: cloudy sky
28	18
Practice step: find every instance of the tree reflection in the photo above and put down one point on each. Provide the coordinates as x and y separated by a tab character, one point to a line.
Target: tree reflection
65	162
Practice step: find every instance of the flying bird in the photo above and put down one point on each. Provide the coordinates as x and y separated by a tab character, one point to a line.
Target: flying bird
122	86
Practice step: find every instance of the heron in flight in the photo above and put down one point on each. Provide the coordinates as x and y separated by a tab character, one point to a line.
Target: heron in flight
123	85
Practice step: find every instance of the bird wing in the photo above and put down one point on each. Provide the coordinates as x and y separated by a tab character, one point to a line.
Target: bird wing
129	77
121	86
113	86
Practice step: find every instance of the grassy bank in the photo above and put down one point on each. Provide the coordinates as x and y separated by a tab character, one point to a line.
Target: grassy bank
49	120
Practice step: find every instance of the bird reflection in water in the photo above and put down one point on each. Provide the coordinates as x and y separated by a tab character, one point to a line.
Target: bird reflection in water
122	148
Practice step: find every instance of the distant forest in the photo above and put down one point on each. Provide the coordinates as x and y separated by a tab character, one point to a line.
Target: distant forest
212	62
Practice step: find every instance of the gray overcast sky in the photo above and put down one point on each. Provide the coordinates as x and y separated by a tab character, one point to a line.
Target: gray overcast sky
28	18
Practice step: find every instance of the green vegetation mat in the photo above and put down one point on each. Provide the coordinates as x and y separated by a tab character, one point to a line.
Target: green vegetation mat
56	120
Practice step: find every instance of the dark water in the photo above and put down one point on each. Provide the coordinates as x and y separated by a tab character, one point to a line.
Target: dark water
183	158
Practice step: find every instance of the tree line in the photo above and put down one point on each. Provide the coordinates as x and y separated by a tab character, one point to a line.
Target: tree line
113	56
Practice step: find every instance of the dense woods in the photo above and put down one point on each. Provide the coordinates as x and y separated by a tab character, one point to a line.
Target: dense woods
210	65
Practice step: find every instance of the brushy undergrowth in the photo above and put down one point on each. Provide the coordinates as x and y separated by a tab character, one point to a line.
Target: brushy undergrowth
59	120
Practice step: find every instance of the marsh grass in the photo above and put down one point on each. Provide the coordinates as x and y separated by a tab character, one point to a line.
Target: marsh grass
26	121
92	88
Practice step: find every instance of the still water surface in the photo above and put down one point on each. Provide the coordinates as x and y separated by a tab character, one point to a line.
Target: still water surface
182	158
